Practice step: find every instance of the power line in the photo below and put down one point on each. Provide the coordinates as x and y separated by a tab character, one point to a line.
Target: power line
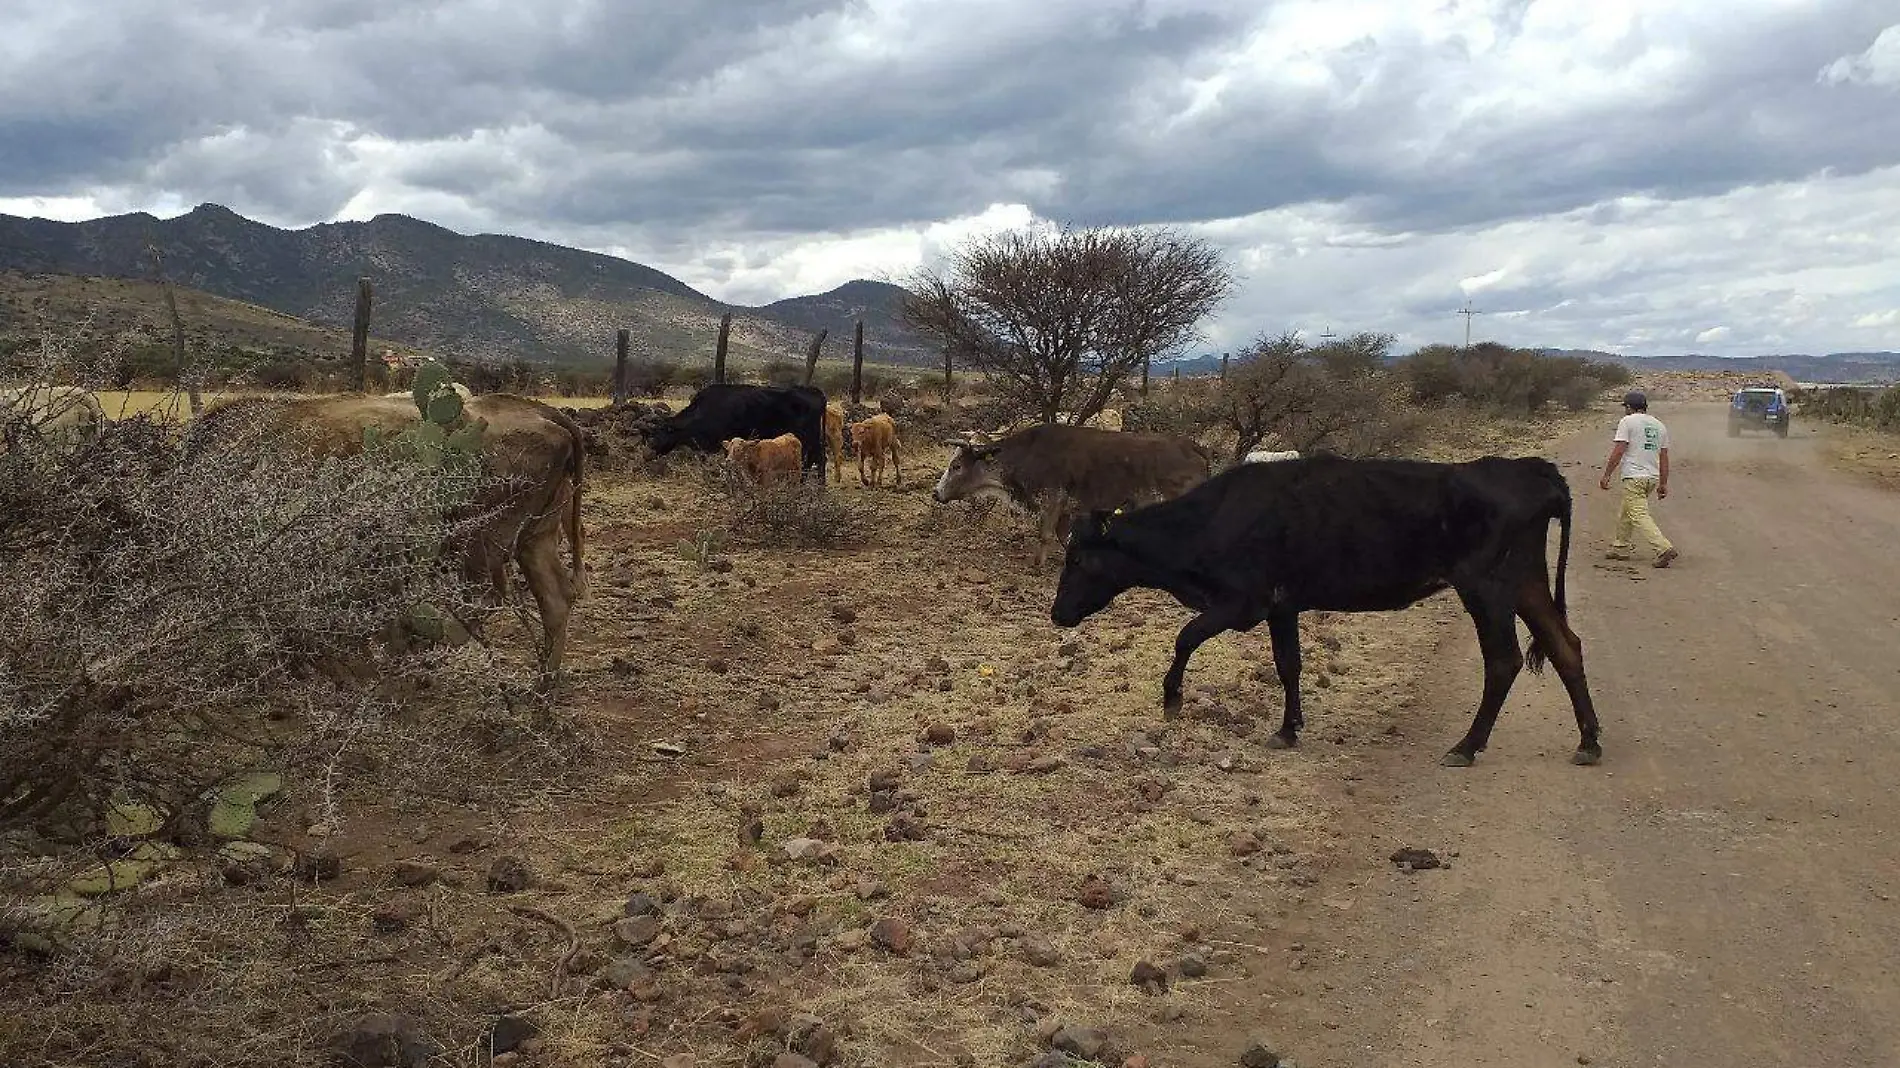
1467	311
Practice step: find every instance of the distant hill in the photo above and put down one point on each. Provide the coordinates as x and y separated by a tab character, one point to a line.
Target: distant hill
470	296
126	319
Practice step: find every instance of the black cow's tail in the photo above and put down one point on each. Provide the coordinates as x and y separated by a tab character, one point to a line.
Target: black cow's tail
1535	655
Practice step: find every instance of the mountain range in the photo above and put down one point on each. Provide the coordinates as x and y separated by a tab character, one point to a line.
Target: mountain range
491	296
475	296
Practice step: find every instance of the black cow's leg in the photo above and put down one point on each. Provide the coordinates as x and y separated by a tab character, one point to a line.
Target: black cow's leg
1564	649
1198	630
1283	628
1497	640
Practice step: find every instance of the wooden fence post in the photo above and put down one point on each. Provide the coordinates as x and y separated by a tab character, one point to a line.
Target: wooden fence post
359	336
1223	367
948	382
1145	361
857	365
621	340
719	351
811	355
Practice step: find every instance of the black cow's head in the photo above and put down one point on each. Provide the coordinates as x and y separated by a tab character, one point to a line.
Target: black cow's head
1095	570
665	437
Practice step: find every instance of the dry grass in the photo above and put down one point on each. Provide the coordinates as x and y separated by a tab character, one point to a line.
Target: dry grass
747	675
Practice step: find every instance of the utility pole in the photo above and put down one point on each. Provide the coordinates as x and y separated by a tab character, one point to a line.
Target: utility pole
1467	312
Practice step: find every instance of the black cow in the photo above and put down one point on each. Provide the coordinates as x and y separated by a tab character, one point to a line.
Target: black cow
719	412
1269	541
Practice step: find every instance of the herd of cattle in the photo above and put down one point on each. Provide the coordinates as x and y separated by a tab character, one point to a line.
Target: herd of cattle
1259	542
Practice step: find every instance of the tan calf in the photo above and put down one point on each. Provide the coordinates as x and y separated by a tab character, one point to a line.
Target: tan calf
767	460
873	438
834	439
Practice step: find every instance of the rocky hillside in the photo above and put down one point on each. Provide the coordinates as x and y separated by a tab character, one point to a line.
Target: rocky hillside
473	296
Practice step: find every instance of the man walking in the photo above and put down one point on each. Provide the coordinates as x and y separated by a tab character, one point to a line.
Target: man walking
1642	453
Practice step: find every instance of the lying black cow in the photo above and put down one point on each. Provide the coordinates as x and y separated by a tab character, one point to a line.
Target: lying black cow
1269	541
719	412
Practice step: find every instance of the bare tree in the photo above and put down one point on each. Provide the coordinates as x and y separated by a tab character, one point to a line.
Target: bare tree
1309	398
1059	319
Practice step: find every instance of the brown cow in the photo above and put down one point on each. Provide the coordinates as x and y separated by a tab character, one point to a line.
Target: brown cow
873	438
834	439
533	451
766	460
1053	470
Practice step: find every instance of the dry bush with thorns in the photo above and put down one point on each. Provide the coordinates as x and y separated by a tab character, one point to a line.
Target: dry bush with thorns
801	515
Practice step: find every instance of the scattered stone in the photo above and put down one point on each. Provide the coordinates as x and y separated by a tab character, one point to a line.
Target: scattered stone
1044	764
1243	844
680	1060
1135	1061
1038	952
786	785
850	941
940	734
415	873
320	865
885	780
391	918
882	801
1259	1054
991	896
1414	859
810	849
640	905
750	832
1148	978
843	614
965	973
646	868
508	1033
473	843
637	931
383	1040
1052	1059
1192	965
623	972
1084	1042
937	665
905	827
1096	893
870	889
892	934
792	1060
979	765
509	875
827	646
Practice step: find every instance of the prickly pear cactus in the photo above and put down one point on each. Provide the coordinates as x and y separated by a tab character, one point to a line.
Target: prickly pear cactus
444	435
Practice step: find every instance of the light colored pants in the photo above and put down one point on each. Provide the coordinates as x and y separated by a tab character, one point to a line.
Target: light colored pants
1635	518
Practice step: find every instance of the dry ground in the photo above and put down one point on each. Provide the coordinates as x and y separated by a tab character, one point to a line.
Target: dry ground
1053	834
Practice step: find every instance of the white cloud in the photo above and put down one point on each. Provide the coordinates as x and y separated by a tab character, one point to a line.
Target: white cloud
1712	335
1484	281
1875	320
1879	65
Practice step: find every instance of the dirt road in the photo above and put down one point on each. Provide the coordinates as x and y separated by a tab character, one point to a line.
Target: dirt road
1722	890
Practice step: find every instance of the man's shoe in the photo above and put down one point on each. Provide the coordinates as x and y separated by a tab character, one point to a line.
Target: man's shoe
1616	556
1668	557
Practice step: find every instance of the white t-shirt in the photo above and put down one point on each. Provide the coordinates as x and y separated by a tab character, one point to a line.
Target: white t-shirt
1647	438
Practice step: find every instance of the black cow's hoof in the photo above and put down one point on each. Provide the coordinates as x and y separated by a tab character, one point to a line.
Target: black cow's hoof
1587	757
1455	759
1281	741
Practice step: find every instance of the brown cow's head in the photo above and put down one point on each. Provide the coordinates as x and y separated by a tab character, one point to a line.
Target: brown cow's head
972	470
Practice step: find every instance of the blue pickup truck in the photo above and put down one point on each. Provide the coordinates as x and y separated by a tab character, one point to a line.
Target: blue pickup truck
1758	408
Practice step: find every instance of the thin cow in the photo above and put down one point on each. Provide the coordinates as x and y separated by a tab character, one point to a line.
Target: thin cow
533	450
1056	471
721	412
1267	541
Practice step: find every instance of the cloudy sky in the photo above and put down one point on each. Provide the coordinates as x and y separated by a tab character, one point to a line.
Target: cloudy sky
1649	176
